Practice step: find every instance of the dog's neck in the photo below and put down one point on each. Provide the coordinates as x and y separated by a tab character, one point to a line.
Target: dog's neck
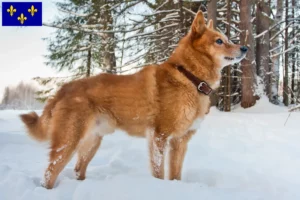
202	66
201	85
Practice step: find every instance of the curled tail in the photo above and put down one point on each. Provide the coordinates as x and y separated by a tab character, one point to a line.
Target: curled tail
34	126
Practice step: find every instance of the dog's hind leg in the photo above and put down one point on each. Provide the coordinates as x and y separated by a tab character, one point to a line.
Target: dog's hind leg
86	151
60	154
178	147
66	135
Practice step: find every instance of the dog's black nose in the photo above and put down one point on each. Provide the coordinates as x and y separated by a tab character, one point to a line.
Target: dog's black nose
244	49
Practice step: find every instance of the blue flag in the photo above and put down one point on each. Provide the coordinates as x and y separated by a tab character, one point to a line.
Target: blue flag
21	13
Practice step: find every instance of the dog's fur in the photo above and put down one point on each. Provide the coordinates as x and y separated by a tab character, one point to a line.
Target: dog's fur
158	102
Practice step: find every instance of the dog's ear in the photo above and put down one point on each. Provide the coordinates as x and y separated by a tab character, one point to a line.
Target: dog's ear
198	26
210	24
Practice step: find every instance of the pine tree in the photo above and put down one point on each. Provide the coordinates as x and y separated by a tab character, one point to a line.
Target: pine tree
227	70
84	42
276	43
20	97
73	49
212	15
212	11
293	85
159	30
248	64
263	45
286	58
6	96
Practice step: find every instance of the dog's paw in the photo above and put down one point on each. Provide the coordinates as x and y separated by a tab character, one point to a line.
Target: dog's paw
79	176
45	185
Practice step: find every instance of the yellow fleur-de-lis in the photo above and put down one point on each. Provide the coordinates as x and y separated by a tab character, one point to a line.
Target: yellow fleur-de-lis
22	18
11	10
32	10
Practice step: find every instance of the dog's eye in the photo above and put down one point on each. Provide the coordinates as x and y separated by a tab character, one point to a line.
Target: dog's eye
219	41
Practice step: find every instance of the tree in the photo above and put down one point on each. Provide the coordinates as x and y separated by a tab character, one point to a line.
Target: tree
20	97
102	9
6	96
212	15
212	11
286	59
263	45
293	91
276	43
248	64
158	31
227	91
71	49
84	41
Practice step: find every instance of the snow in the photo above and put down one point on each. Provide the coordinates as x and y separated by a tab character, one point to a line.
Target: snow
246	154
263	106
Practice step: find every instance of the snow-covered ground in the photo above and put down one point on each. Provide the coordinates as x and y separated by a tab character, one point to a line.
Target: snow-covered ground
247	154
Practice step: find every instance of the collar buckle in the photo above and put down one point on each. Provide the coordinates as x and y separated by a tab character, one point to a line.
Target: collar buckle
204	88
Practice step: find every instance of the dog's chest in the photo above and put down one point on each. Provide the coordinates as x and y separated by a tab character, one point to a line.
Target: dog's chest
196	124
201	110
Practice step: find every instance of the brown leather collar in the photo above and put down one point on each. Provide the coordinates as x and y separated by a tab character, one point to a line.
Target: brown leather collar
201	86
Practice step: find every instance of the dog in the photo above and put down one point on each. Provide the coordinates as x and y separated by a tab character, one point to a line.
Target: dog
165	103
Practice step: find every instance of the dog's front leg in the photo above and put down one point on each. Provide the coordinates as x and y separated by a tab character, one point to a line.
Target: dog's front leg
178	147
157	144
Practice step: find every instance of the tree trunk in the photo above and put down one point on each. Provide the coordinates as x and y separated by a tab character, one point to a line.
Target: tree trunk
212	11
276	59
105	17
298	95
89	59
212	14
293	56
109	39
286	60
248	64
227	89
181	17
263	45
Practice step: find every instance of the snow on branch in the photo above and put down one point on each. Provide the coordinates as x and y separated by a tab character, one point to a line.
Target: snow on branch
295	108
67	26
235	28
279	32
129	6
88	28
151	32
272	27
155	13
289	49
72	13
162	5
191	12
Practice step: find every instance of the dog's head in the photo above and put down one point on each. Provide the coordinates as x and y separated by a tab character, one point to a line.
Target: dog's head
205	39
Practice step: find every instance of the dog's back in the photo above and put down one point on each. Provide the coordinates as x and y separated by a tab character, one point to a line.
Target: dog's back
128	100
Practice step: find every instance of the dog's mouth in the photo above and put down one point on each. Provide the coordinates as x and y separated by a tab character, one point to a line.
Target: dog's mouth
229	58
